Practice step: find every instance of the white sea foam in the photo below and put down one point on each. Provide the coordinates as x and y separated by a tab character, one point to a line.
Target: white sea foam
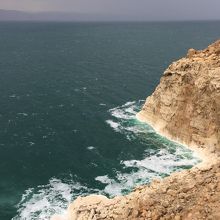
103	179
124	119
124	182
125	111
146	169
165	163
23	114
42	202
90	148
13	96
114	125
112	187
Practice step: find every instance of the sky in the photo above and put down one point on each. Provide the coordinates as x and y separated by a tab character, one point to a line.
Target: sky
129	9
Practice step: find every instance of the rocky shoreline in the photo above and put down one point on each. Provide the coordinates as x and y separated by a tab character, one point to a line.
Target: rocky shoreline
185	107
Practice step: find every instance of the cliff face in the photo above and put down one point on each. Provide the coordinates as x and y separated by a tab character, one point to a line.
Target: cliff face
186	104
186	107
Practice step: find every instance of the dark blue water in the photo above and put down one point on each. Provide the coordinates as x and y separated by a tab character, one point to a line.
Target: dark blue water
69	93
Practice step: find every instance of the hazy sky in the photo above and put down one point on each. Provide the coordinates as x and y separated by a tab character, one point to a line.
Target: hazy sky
146	9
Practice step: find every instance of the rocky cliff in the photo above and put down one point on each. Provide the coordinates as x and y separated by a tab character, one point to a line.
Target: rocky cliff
185	107
186	104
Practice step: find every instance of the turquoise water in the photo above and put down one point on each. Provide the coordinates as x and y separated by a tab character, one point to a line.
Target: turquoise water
69	93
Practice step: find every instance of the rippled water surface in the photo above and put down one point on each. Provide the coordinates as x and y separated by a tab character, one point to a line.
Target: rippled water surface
69	93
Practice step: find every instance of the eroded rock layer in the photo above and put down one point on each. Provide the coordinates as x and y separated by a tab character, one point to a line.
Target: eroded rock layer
186	104
184	107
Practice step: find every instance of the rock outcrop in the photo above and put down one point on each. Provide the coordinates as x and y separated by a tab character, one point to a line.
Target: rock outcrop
184	107
186	104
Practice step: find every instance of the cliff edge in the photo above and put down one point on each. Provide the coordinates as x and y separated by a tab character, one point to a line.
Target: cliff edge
186	104
184	107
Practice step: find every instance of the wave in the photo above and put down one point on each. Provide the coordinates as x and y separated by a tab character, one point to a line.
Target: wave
143	171
42	202
169	157
158	161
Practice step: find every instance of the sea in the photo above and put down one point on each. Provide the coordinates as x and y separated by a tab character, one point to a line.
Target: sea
69	93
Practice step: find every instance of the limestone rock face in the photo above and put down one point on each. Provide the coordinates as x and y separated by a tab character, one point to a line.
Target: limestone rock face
186	104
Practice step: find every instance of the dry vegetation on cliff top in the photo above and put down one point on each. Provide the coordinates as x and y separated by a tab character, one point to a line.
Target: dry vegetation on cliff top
185	107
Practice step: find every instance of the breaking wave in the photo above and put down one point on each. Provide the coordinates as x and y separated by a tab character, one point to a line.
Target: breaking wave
166	157
42	202
124	120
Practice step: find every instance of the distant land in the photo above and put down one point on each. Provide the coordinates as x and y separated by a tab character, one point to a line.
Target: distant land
15	15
